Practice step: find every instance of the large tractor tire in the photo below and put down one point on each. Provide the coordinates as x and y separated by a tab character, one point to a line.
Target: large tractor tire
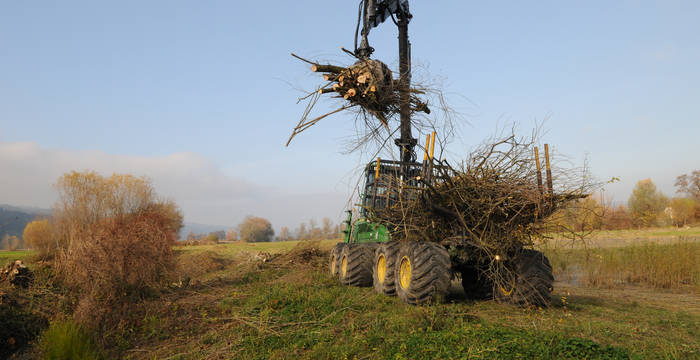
383	267
476	285
356	264
422	272
529	283
334	259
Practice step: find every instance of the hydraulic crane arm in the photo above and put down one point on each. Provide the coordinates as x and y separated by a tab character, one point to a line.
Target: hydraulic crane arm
375	12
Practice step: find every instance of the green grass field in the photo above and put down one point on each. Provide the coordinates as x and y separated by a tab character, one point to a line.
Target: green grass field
24	255
235	306
289	308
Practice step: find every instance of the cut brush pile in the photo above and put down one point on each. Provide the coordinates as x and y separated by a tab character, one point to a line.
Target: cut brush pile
486	210
366	86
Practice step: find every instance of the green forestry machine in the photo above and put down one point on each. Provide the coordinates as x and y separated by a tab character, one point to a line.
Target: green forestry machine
418	271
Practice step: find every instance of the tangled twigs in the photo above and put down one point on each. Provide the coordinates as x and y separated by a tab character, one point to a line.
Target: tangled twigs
367	87
488	208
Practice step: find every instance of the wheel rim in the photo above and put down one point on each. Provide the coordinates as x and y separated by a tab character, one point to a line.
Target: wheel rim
381	269
405	272
344	266
333	269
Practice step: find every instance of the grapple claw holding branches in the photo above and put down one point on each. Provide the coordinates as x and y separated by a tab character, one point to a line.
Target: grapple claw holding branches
366	86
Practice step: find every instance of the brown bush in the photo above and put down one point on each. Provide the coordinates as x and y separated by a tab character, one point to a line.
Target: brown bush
123	260
114	243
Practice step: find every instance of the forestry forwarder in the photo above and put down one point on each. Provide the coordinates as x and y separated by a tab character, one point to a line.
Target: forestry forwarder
418	272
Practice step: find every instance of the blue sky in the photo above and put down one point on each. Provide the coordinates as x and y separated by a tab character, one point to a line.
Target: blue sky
201	96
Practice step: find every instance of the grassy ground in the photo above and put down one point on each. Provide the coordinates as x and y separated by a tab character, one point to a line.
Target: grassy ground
674	265
232	305
289	308
6	256
233	249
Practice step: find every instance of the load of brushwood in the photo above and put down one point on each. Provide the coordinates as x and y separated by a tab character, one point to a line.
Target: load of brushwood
488	208
366	88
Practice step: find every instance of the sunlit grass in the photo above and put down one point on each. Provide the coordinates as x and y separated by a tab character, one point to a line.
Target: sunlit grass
674	265
24	255
255	247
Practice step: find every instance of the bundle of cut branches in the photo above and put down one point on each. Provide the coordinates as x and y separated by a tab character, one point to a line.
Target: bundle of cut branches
489	208
367	85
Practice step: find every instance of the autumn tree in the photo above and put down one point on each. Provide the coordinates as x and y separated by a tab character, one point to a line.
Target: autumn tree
646	204
284	234
10	242
39	235
211	238
220	234
231	235
255	229
327	228
302	234
683	210
617	218
689	185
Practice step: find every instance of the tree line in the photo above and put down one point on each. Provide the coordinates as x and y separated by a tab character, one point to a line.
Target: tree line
646	207
258	229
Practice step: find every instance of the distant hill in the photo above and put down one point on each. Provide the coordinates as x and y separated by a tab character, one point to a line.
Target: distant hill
13	219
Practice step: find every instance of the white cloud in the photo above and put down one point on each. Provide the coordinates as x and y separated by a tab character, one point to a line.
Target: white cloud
200	187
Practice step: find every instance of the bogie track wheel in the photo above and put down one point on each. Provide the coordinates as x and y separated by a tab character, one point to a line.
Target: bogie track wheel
356	264
384	266
528	282
334	259
422	272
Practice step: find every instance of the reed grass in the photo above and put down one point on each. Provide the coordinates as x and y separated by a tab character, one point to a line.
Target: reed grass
673	265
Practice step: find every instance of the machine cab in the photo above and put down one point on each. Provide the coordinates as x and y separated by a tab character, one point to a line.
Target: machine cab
383	183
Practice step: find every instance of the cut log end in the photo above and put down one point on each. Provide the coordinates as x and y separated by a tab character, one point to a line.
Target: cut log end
327	68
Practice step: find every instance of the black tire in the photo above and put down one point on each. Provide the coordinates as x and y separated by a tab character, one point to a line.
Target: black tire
426	278
385	258
529	283
476	285
334	259
355	266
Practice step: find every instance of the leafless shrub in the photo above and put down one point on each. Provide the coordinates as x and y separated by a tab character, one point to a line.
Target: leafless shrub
114	243
121	261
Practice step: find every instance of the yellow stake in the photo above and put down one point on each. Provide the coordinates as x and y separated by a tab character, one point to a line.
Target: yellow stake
432	146
376	172
427	145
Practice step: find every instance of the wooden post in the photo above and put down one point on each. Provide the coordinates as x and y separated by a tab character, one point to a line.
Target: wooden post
539	170
549	170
